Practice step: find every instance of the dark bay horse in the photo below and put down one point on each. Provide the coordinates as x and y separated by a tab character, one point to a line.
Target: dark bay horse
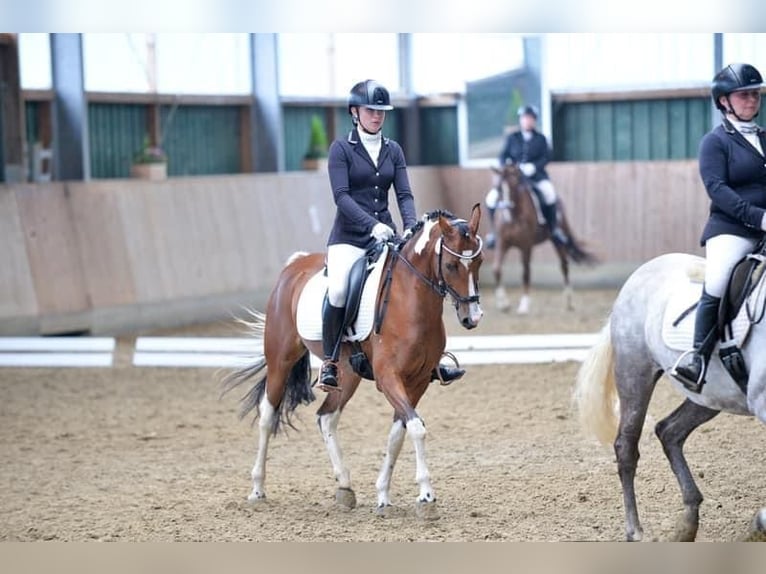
441	257
638	344
518	224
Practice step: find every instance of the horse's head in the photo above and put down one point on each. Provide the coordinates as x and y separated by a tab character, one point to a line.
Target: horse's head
456	249
511	174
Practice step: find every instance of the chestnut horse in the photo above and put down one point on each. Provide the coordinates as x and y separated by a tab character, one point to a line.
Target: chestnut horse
441	256
517	224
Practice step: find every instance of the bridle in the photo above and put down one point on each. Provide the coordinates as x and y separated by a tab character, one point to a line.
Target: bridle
441	287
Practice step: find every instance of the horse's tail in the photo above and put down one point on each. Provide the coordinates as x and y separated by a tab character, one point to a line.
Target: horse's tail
576	249
297	387
595	392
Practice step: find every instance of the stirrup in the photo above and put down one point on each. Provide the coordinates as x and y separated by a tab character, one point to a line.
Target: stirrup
456	374
692	385
325	377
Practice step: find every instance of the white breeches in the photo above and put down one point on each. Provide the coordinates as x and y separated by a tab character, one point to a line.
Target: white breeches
340	259
547	191
722	253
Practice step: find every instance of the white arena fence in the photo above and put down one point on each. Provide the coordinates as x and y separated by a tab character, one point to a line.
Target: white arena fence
227	352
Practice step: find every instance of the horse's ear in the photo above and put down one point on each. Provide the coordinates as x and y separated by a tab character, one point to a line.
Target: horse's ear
445	226
473	224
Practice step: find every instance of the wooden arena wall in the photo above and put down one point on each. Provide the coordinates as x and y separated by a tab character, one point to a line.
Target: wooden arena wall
109	256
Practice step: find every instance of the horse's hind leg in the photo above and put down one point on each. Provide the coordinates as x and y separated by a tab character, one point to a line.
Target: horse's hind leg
672	432
266	414
396	438
635	385
564	264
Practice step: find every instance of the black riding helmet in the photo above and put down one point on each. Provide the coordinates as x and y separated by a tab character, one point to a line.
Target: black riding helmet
369	94
734	78
527	111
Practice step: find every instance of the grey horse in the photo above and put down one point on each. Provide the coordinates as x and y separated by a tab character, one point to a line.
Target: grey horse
616	380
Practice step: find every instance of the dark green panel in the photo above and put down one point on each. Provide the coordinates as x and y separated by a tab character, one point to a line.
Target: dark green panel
604	133
699	124
586	138
642	134
678	129
630	130
201	140
116	133
623	131
659	142
438	136
297	131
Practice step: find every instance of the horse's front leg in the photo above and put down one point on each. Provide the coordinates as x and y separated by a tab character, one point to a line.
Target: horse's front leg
383	485
526	262
502	302
426	503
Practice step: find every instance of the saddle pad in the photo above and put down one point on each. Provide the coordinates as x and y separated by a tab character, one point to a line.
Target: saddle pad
681	337
311	300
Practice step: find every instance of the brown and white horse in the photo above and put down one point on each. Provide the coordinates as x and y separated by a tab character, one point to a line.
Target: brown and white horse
517	224
441	257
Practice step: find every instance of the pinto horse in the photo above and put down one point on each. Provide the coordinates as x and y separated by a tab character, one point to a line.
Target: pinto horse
440	257
518	224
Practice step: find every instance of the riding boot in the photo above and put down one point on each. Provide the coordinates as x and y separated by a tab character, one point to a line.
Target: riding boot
446	374
491	234
332	325
551	219
691	366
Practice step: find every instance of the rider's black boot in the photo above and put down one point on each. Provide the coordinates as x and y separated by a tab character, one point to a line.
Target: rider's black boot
446	374
332	324
691	367
550	213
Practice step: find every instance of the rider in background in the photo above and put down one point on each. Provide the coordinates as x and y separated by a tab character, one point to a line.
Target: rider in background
529	149
733	170
362	167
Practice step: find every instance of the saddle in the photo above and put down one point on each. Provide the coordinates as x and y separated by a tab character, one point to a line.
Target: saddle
736	313
363	282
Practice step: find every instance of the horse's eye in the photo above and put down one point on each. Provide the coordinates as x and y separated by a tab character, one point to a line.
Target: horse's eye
452	267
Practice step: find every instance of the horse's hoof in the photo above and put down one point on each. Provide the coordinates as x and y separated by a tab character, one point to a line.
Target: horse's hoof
685	531
256	497
757	527
345	498
388	511
426	510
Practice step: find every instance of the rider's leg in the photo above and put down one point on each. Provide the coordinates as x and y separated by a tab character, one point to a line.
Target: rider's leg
722	253
550	211
340	258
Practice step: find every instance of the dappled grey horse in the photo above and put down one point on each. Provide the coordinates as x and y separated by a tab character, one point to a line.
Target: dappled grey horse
616	381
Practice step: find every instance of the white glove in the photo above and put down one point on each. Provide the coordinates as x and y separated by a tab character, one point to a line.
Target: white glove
382	232
528	169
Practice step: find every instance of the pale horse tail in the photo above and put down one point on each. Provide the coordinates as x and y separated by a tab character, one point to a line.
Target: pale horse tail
595	393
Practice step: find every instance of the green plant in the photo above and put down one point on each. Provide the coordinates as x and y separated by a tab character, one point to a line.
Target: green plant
317	139
150	154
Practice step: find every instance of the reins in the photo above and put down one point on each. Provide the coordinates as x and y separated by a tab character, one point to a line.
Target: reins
440	287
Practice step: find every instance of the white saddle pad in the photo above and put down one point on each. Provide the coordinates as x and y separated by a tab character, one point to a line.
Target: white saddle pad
681	337
309	312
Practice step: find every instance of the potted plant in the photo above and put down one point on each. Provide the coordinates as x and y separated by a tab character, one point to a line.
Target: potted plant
316	154
150	162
